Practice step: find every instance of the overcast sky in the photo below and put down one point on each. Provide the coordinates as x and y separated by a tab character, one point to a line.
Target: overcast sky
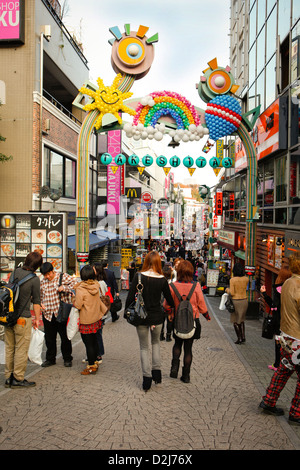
191	33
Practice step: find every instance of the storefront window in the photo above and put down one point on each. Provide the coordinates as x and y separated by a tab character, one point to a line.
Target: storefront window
294	180
294	215
59	172
284	15
70	178
295	57
243	191
237	191
280	165
280	216
260	185
269	184
268	216
270	81
270	5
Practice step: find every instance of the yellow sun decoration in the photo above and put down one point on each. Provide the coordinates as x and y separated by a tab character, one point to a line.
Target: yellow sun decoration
108	99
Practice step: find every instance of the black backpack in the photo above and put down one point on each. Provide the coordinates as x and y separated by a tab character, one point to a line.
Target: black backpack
9	293
184	323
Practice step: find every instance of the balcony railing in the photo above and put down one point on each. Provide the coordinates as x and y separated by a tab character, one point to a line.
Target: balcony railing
59	106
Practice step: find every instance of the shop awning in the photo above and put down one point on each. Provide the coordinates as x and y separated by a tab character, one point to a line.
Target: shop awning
240	254
95	241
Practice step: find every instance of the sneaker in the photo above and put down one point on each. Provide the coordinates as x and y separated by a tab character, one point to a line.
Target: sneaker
21	383
84	360
99	360
272	367
271	409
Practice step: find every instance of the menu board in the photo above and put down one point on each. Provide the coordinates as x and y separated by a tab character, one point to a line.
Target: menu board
23	233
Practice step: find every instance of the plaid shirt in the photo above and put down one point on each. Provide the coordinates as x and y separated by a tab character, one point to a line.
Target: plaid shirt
50	296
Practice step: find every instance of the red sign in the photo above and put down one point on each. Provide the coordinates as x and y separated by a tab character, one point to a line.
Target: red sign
146	197
219	203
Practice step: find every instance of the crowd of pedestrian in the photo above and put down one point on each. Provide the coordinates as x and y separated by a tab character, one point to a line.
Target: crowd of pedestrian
166	280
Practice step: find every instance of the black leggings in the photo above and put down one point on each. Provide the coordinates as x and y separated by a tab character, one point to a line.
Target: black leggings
187	348
91	346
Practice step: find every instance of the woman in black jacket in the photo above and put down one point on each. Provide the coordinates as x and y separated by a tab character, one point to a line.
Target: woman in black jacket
154	284
274	304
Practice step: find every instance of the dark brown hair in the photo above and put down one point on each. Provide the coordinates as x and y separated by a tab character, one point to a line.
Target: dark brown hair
33	261
185	271
283	275
152	261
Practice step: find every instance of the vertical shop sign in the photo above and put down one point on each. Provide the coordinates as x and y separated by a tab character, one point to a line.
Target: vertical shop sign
113	173
219	203
12	21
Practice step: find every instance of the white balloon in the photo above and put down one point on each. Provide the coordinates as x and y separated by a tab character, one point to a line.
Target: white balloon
136	137
144	135
172	133
176	138
192	127
185	138
150	129
140	126
158	135
180	132
144	101
151	102
127	127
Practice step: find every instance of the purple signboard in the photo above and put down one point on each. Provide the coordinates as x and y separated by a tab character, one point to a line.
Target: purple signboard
12	21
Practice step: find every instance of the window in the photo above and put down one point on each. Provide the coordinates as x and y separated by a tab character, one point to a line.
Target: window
284	15
269	184
252	25
261	50
260	91
295	59
270	81
261	13
296	10
59	173
294	180
260	185
270	5
271	34
252	65
280	185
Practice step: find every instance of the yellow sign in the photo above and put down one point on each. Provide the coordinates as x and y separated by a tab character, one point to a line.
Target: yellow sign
114	168
217	171
140	169
219	149
191	171
166	170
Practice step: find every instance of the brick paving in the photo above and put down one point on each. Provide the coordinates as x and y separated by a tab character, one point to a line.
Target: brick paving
109	411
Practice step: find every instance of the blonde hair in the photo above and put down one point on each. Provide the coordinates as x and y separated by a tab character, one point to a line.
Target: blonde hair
294	263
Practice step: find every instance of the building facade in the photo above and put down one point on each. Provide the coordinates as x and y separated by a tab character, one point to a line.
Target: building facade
265	56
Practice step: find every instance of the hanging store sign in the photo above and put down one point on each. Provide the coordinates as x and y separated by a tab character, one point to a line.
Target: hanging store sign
291	243
268	135
12	22
219	203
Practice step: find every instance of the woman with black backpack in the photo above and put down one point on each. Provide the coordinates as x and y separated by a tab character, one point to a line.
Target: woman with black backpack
183	287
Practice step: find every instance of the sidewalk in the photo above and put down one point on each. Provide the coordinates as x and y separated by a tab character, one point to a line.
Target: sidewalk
218	410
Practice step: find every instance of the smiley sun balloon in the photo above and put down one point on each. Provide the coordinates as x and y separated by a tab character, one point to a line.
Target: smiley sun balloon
108	99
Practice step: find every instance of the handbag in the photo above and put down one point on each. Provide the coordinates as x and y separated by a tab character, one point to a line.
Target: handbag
116	306
64	308
105	299
136	313
268	327
229	304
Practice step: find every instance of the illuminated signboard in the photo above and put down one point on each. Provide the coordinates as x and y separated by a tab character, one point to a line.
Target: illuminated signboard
268	135
12	22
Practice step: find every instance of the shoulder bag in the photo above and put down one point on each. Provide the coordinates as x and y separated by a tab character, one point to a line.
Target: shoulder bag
229	304
136	313
268	325
64	308
105	299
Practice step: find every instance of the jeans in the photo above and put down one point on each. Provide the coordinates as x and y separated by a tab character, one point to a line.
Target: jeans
143	335
100	341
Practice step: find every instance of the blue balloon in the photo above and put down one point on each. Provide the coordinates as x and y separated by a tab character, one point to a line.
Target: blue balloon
106	158
120	159
133	160
147	160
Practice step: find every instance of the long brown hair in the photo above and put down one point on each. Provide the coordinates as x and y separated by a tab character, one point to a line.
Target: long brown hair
152	261
185	271
283	275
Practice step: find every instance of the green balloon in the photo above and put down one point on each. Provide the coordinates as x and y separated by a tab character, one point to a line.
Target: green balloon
214	162
188	161
106	158
133	160
147	160
161	160
201	162
120	159
174	161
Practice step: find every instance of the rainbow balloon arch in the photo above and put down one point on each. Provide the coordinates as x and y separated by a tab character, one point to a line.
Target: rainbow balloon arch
155	115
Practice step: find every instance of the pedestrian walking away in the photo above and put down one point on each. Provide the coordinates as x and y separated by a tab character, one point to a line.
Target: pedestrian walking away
17	337
55	287
154	285
238	291
183	286
167	272
290	346
275	305
100	276
113	288
91	310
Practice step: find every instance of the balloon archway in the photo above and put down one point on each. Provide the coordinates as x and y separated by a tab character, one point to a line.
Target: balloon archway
156	114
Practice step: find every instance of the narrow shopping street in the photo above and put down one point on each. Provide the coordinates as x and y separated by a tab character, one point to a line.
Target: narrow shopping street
109	411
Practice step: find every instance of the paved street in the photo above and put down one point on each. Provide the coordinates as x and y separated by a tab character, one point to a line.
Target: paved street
218	410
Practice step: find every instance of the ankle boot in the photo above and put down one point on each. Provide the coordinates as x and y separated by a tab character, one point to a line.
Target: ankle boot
237	329
90	369
147	383
162	336
168	338
185	375
174	368
242	325
156	376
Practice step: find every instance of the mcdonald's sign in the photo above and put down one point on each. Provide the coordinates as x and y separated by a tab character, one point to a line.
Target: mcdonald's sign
133	193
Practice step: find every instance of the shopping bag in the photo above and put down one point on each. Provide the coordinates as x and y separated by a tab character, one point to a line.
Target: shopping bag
73	323
36	346
222	302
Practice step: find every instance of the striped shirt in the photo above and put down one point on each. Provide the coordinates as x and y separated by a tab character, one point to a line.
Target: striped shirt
50	296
